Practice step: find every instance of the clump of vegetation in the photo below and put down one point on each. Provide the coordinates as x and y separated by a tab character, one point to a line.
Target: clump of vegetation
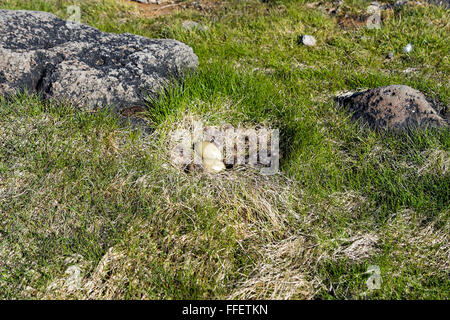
92	208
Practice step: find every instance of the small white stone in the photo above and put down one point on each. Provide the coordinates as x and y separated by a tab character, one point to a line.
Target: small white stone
309	41
408	48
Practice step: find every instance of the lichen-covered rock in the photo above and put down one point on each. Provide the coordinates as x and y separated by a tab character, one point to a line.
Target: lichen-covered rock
393	107
77	63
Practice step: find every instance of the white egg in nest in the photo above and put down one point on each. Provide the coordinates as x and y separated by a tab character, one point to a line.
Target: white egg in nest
211	156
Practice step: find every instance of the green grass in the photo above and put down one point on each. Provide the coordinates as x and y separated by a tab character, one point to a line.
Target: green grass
84	189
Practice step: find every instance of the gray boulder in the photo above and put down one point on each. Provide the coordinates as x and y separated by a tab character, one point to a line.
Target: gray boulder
77	63
393	107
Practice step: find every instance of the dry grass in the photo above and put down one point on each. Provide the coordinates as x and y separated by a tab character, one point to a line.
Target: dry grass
359	248
436	162
282	272
424	244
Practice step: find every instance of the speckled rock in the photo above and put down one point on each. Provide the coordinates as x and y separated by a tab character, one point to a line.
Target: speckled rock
393	107
75	62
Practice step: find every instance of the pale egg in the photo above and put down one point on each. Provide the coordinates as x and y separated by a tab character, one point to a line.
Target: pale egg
211	156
